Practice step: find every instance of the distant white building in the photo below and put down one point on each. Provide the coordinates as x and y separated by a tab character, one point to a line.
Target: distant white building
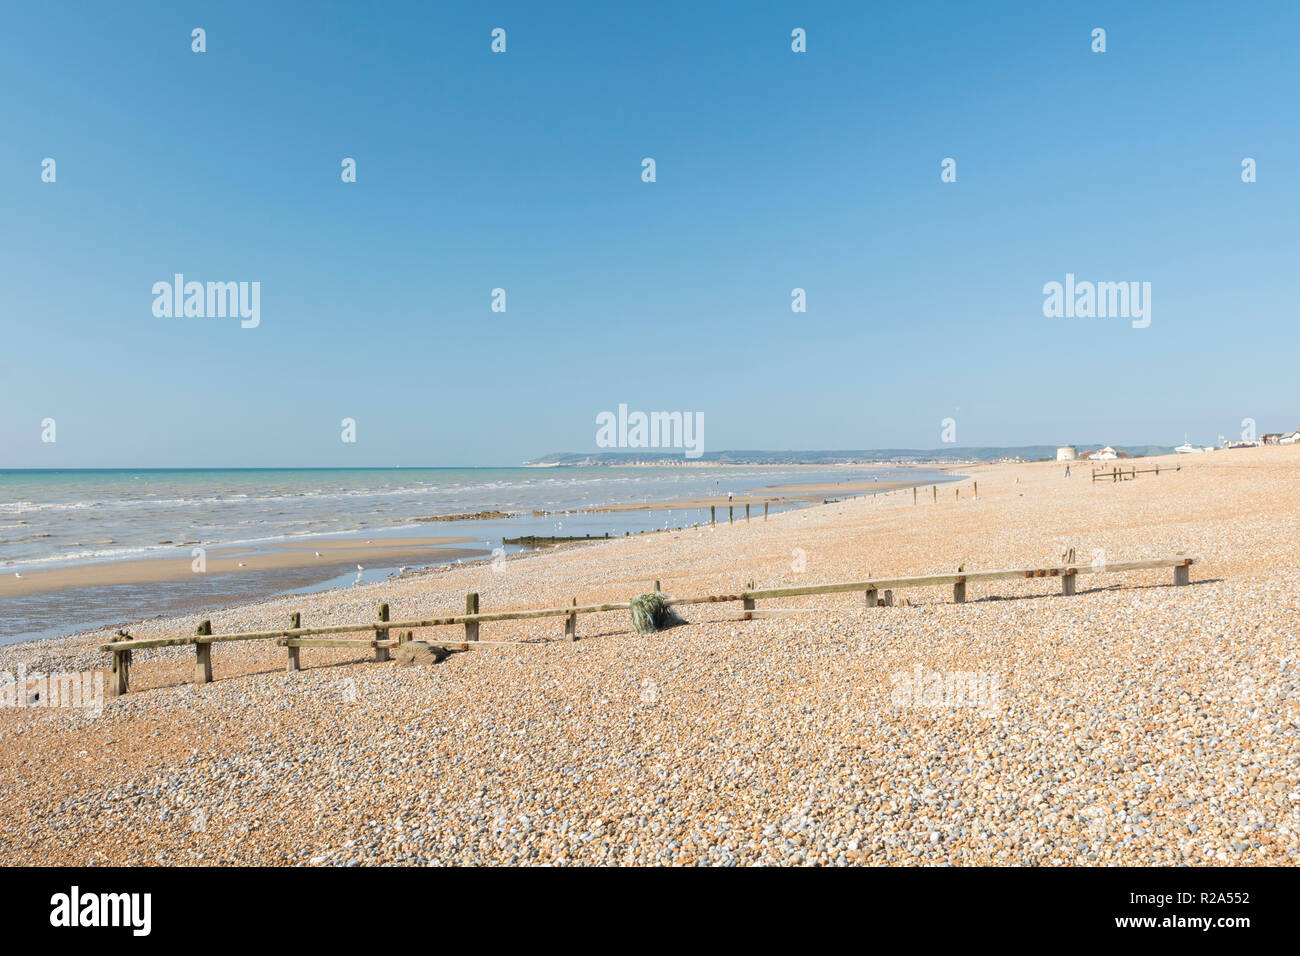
1102	454
1067	453
1291	439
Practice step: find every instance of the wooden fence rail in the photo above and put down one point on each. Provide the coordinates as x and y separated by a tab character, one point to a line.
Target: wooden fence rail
295	636
1116	473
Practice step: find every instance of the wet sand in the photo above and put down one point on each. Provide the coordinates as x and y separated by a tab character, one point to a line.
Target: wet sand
334	554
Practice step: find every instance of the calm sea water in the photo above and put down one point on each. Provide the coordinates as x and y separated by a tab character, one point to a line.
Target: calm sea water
51	518
68	517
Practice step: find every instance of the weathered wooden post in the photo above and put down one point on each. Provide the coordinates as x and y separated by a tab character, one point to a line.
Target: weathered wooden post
731	514
121	668
471	607
914	494
203	655
381	634
936	494
870	593
657	587
1182	574
713	514
293	663
889	597
747	603
746	512
765	510
959	591
571	620
1068	581
977	489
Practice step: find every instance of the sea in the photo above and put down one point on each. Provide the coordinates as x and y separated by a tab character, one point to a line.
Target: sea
69	518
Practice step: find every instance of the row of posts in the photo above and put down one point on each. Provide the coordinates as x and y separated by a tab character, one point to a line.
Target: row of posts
731	513
935	492
203	651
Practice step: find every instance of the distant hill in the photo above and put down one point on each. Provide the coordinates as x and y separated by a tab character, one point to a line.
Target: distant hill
873	455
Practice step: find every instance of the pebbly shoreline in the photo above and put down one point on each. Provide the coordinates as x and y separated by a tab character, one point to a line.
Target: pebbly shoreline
1133	722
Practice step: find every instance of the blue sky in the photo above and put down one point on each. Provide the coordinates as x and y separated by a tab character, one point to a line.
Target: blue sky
522	170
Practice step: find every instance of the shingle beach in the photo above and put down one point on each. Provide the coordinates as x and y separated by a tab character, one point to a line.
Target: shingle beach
1132	723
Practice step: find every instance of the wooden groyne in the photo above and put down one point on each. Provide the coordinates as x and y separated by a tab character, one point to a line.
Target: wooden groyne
1115	473
877	592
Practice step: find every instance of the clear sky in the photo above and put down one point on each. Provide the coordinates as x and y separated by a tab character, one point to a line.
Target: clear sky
775	170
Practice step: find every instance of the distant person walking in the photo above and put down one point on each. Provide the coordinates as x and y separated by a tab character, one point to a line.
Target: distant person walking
1067	471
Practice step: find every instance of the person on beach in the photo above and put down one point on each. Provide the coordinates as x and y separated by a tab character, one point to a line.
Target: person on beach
1067	471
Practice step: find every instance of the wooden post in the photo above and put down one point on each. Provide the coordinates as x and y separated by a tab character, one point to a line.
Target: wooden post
731	514
959	591
293	663
936	494
657	587
977	489
713	514
471	607
747	603
764	510
571	621
203	656
381	634
1068	582
889	597
1182	574
747	512
914	494
121	670
870	593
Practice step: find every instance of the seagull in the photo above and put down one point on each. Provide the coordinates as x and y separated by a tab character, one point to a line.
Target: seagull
318	554
360	568
242	564
17	575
